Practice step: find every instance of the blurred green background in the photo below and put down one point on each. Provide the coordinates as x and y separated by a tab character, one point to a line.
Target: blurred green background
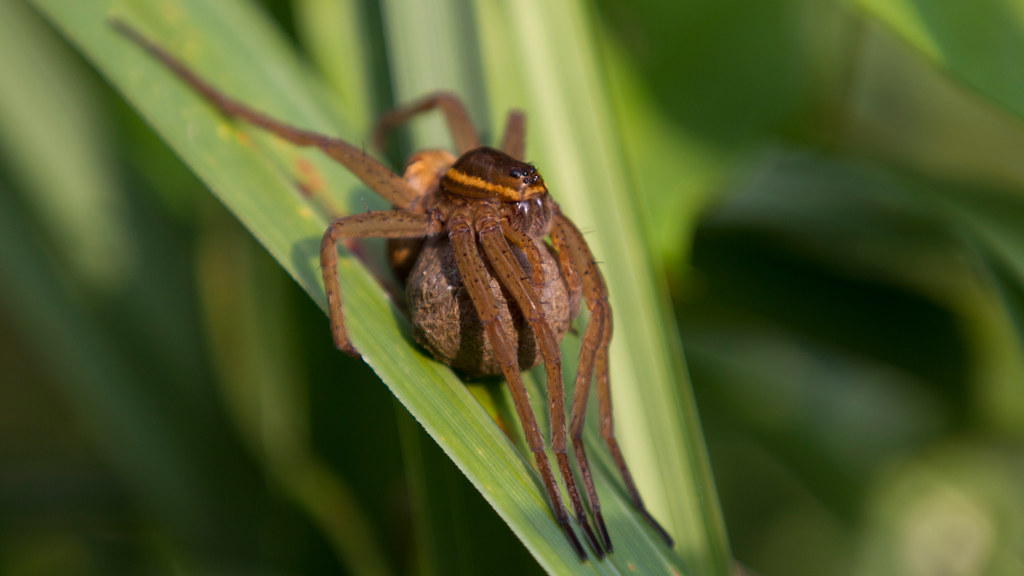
834	188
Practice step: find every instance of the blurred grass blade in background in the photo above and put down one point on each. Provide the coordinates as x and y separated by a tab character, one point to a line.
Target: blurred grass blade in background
65	218
979	43
267	185
75	199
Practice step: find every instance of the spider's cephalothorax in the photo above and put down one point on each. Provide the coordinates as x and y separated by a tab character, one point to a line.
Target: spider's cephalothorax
485	173
489	174
487	294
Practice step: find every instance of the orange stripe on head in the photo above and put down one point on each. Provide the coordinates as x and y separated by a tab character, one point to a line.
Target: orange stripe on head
486	173
458	182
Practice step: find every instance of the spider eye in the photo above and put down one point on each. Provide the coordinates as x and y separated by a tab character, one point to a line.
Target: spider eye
515	173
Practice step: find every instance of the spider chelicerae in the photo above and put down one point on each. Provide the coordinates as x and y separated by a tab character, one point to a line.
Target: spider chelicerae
486	294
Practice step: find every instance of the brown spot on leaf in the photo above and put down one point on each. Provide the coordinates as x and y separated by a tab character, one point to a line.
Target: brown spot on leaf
310	181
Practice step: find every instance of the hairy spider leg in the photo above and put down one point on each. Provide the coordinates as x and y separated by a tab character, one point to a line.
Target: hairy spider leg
512	276
604	398
594	358
463	132
568	256
514	142
474	277
525	243
382	224
374	174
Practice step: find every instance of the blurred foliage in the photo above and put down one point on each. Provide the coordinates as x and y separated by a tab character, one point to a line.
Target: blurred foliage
835	189
850	298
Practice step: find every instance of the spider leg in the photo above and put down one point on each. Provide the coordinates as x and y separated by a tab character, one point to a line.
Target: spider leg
573	284
604	398
526	244
514	279
568	256
476	281
514	143
463	132
374	174
383	224
594	359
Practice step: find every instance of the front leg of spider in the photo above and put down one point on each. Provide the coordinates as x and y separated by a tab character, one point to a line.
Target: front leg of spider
385	224
475	280
515	281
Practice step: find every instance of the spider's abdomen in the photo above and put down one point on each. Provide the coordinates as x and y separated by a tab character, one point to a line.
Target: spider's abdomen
446	323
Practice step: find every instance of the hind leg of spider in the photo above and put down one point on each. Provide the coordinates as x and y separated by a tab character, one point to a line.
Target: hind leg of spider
594	363
383	224
604	397
463	132
476	280
514	279
584	378
514	142
582	278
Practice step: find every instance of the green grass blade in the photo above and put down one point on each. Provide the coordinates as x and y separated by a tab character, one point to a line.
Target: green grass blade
990	221
260	369
65	238
338	36
256	177
980	43
570	131
75	198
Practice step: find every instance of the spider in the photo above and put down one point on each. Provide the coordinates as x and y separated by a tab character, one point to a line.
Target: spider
486	294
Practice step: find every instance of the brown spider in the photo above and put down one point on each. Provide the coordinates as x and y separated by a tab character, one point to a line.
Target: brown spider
486	295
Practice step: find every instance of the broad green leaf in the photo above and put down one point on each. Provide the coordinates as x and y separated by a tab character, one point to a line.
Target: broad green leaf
980	43
284	195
